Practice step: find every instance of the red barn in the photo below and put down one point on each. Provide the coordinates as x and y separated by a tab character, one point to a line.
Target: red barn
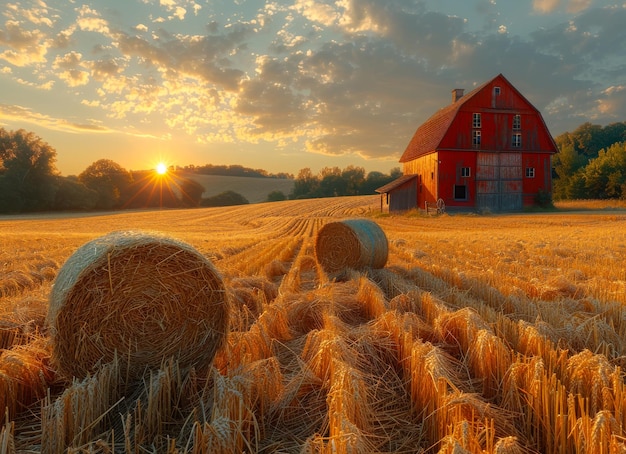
489	150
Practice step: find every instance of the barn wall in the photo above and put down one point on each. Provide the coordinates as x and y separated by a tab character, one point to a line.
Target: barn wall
542	181
404	196
497	112
426	169
450	176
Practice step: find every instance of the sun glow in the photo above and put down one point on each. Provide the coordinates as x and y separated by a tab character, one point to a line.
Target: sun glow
161	168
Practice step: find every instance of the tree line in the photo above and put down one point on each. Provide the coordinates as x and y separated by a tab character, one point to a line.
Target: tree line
591	163
333	182
30	181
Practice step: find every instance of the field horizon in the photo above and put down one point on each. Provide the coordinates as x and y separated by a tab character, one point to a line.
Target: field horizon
481	334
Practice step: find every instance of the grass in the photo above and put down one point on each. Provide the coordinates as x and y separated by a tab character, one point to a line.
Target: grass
483	334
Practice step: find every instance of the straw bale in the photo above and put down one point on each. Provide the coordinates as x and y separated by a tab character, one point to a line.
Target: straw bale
144	295
351	244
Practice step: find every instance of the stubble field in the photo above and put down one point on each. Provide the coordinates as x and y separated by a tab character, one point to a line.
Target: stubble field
483	334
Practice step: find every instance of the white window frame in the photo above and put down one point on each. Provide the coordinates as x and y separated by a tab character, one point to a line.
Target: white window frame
516	140
466	172
496	91
517	122
530	172
476	138
476	120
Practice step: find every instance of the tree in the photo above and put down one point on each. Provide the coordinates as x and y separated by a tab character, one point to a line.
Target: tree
354	177
74	195
276	196
305	184
191	192
605	175
28	175
226	198
373	181
109	180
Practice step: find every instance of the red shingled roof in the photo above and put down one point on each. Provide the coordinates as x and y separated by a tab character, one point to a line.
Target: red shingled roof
430	134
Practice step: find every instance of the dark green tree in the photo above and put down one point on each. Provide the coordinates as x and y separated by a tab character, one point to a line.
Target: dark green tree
226	198
354	178
109	180
305	185
276	196
191	192
74	195
28	175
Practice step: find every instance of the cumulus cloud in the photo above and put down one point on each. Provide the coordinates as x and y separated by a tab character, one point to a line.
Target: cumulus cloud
24	47
340	77
70	69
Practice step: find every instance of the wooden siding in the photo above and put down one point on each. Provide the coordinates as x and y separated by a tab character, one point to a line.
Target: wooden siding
506	175
499	181
404	197
426	169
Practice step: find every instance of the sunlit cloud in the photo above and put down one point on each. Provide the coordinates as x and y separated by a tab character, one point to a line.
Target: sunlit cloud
91	20
26	47
14	112
545	6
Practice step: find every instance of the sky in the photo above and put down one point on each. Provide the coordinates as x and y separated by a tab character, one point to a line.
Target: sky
286	85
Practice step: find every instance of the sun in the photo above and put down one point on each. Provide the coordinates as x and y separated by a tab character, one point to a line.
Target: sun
161	168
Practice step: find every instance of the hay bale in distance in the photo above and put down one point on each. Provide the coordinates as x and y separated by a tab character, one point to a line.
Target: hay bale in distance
144	296
351	244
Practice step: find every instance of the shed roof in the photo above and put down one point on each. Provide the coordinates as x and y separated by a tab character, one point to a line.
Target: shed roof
395	183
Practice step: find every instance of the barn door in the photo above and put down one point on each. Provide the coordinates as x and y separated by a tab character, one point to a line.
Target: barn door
499	182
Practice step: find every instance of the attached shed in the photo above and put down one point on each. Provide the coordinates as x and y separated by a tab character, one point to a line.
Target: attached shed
400	194
487	150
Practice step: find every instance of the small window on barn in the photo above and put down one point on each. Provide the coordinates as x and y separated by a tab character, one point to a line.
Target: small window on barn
530	172
476	138
496	91
460	192
517	140
517	122
466	172
476	121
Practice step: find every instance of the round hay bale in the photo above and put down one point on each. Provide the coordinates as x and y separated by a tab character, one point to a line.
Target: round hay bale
351	244
143	296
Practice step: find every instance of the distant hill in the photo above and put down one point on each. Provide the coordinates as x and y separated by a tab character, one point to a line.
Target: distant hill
253	189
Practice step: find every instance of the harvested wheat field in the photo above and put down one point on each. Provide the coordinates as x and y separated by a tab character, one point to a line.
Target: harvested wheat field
475	334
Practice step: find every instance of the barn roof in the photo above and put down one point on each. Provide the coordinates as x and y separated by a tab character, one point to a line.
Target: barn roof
430	134
395	183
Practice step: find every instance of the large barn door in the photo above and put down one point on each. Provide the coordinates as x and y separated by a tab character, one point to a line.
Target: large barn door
499	182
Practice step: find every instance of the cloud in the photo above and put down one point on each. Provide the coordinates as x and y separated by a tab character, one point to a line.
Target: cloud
204	57
20	113
90	20
25	47
545	6
611	106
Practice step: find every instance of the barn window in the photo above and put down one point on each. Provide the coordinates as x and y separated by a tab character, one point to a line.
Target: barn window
496	91
460	192
530	172
517	140
476	121
466	172
517	122
476	138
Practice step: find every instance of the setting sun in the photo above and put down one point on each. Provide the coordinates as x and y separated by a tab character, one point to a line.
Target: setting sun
161	168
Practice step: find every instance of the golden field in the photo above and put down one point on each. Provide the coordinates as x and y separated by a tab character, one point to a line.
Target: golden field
483	334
